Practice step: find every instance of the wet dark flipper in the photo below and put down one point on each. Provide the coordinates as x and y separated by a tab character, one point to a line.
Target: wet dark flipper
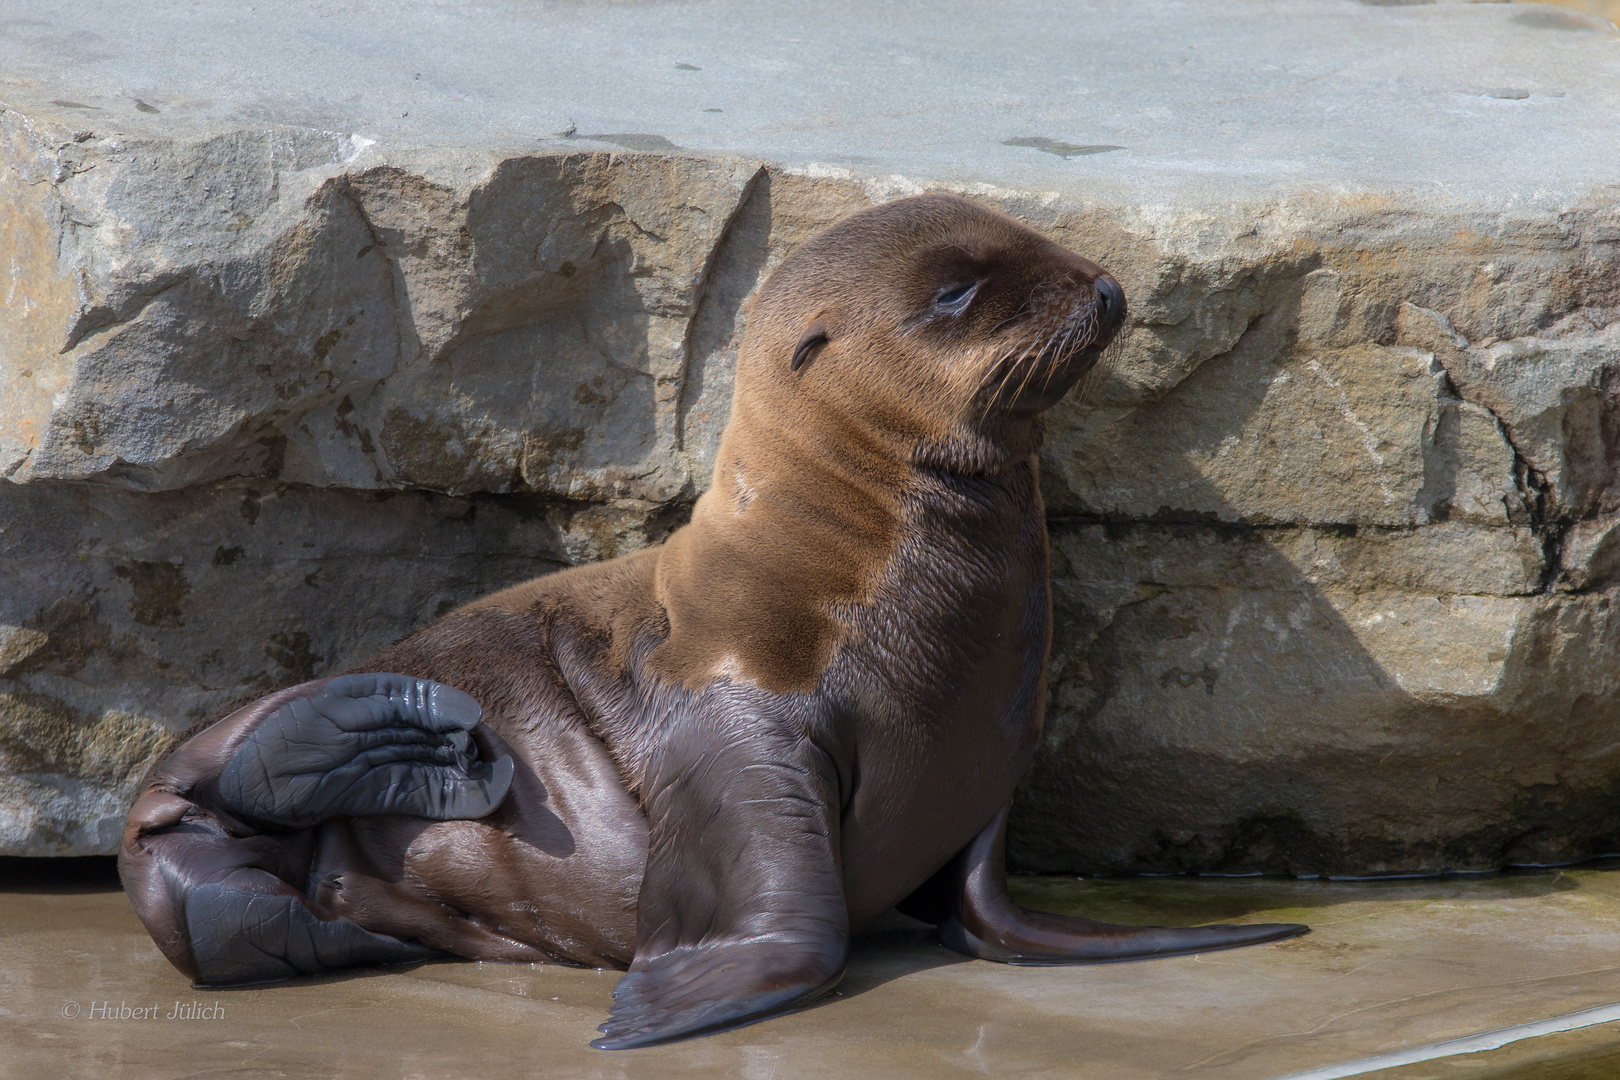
710	988
264	934
217	848
976	915
742	914
364	745
1037	938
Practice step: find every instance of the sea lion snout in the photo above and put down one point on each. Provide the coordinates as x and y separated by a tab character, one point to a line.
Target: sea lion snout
1110	306
1072	313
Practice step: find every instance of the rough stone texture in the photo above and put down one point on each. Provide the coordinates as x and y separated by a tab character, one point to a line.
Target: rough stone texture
128	616
285	372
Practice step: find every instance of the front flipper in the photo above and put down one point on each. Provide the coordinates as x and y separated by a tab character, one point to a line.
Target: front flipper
742	912
976	915
363	746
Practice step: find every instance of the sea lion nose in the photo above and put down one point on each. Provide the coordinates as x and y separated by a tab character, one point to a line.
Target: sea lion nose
1110	304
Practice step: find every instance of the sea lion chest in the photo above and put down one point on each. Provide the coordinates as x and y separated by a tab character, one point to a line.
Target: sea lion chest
942	681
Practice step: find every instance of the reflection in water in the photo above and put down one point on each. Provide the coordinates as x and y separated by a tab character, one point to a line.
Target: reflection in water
1184	899
1600	1064
1603	9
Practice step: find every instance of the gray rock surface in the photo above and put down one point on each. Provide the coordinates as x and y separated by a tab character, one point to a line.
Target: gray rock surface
319	320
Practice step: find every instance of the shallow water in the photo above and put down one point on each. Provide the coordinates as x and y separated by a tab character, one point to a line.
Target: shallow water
1603	9
1388	965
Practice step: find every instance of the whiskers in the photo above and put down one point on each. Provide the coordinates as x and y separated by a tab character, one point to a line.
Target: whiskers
1044	349
1092	381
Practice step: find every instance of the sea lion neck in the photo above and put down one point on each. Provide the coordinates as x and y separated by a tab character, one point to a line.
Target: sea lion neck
793	528
989	449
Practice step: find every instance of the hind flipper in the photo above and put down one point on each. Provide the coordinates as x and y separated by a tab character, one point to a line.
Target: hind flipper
222	905
247	930
976	915
364	745
217	848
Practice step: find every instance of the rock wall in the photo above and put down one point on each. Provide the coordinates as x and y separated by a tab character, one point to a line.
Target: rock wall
1333	543
1338	555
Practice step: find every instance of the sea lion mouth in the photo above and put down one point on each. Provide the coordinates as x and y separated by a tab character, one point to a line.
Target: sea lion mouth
1034	382
1052	350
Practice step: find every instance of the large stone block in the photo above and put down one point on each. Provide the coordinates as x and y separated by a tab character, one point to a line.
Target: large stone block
284	372
1301	701
127	617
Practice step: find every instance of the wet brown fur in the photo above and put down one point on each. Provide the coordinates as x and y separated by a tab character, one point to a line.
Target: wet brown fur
805	508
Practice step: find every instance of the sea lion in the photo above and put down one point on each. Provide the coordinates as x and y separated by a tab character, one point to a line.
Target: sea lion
709	761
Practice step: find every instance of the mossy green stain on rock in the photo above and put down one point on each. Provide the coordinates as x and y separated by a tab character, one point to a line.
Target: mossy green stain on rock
291	653
158	592
43	735
73	631
18	645
547	450
429	454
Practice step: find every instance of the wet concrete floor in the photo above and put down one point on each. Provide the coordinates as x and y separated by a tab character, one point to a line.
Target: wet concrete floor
1388	966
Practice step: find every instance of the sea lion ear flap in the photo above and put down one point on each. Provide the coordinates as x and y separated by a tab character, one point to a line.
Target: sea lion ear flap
813	337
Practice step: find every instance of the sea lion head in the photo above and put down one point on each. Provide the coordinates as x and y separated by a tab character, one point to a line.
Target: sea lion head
924	335
934	325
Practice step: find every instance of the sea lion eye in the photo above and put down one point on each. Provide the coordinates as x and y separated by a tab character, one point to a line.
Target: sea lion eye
956	297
